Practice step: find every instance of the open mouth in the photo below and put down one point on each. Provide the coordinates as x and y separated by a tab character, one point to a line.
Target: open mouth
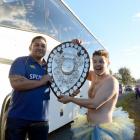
98	68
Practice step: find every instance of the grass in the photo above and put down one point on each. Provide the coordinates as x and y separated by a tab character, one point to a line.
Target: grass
132	106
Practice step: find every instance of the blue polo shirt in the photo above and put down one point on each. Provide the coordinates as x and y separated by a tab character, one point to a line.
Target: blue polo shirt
30	104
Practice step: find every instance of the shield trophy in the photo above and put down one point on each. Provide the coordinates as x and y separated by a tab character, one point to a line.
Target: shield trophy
68	64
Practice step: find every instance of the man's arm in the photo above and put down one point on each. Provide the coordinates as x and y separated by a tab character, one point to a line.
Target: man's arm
91	76
21	83
102	96
87	103
106	92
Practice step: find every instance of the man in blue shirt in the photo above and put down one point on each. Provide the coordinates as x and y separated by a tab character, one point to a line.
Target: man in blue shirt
28	110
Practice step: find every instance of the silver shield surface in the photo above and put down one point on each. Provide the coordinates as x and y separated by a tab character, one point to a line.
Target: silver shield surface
68	64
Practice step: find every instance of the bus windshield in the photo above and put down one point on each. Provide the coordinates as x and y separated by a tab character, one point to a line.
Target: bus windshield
50	17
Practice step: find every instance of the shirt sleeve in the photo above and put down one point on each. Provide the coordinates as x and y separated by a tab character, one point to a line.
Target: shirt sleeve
18	67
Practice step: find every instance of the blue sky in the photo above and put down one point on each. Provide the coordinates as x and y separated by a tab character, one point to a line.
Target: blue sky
116	24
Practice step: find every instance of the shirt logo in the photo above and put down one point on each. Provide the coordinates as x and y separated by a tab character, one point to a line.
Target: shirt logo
32	66
35	76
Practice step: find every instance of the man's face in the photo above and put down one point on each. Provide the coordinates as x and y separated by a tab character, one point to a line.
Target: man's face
100	64
38	48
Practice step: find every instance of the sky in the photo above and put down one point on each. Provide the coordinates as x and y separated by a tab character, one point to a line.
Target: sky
116	24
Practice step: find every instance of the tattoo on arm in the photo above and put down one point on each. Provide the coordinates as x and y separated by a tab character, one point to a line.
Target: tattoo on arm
17	78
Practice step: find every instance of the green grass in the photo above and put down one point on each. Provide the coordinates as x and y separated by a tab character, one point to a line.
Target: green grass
125	100
132	106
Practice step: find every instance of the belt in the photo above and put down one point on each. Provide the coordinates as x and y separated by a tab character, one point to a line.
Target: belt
44	123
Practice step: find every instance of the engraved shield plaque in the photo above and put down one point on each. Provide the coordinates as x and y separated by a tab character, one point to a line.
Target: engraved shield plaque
68	64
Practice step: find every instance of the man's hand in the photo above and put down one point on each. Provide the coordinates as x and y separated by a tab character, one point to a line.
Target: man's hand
75	93
76	41
64	99
46	78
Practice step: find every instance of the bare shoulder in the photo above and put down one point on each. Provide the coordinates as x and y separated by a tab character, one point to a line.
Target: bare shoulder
113	81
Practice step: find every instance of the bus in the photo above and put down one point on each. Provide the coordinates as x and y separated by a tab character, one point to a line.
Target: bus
20	21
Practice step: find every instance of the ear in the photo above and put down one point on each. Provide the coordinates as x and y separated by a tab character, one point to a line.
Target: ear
108	63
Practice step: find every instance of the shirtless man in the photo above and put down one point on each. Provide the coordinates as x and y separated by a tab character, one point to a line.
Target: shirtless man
102	98
103	92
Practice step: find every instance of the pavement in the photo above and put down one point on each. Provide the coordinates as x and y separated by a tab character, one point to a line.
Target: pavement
63	133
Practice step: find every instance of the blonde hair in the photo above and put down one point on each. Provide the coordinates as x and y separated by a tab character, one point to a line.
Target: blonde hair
101	53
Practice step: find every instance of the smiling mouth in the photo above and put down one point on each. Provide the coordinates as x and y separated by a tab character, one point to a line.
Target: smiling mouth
98	68
40	52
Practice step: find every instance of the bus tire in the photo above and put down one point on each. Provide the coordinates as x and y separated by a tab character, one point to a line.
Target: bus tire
3	117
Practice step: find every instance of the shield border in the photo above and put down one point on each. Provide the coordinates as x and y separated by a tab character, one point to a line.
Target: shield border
49	66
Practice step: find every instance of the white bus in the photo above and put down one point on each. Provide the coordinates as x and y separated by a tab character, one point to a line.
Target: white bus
20	21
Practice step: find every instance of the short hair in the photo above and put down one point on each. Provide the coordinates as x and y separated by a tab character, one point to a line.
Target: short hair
101	53
38	37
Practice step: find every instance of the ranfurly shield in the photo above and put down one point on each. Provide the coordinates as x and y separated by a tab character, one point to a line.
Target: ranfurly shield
68	64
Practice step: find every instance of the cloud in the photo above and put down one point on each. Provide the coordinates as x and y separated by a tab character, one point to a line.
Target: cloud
137	15
10	14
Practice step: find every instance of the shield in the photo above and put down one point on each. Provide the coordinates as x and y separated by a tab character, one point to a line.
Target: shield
68	64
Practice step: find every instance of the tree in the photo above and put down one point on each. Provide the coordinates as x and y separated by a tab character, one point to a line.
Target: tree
117	76
125	76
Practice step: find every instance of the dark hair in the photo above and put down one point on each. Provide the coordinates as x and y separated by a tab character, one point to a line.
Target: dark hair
101	53
38	37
